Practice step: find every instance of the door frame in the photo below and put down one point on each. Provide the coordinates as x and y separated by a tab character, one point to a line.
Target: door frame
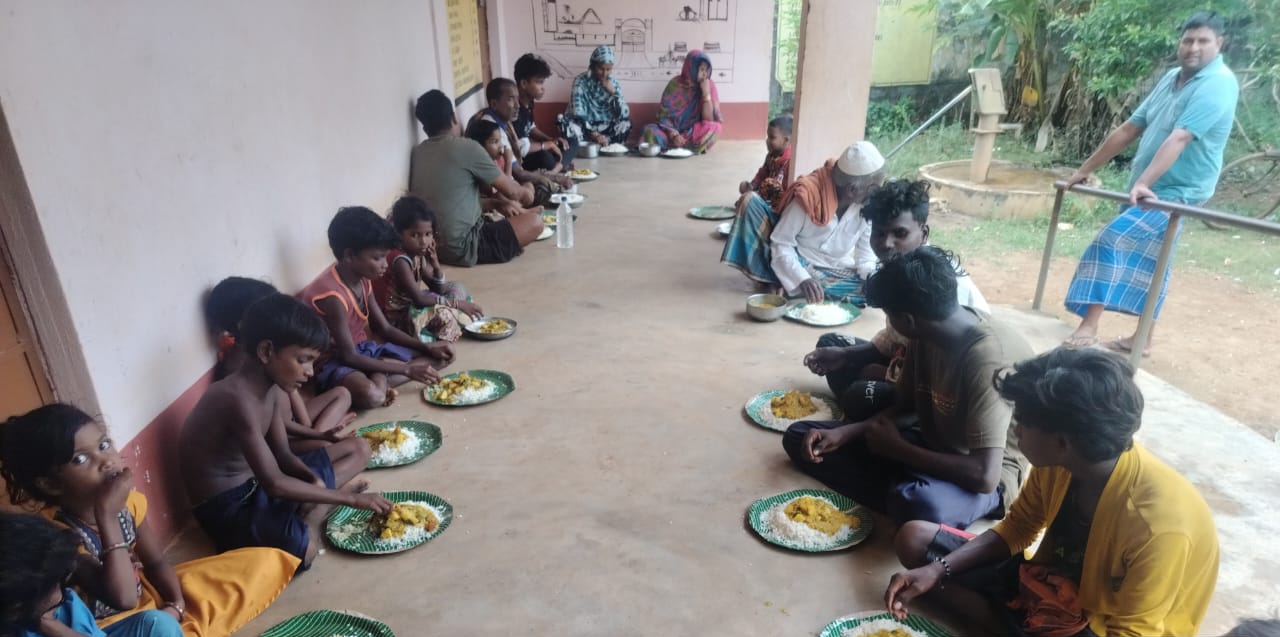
37	291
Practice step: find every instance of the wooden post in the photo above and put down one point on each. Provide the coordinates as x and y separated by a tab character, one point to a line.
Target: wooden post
831	93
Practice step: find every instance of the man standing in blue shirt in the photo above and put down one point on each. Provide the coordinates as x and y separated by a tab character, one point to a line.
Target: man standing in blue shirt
1183	125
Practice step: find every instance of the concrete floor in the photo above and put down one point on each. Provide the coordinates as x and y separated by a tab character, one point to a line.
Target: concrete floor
606	496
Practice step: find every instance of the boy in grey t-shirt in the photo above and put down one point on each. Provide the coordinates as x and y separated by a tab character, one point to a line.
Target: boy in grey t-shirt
448	171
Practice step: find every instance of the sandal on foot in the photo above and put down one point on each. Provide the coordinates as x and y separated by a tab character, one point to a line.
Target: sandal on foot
1120	347
1080	342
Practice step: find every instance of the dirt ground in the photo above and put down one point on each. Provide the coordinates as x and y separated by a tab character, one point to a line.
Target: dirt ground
1216	340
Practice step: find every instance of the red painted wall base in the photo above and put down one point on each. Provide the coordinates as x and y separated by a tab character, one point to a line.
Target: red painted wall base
153	456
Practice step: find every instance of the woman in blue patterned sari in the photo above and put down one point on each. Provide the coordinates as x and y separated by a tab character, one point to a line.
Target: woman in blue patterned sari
597	111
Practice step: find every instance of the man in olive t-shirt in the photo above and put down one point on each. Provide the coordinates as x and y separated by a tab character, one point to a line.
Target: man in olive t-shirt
448	171
958	462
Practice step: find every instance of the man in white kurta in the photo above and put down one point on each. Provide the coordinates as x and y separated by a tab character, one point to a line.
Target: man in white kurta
829	260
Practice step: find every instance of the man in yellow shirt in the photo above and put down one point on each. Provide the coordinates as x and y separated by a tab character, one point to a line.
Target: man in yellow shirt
1129	545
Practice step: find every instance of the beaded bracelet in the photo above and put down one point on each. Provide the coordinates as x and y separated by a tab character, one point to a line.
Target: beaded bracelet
946	571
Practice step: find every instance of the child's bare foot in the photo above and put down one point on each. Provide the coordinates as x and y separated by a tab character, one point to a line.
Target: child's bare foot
347	419
392	395
355	486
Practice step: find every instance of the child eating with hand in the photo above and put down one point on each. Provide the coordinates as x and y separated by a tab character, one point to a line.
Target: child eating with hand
414	280
343	296
250	489
314	421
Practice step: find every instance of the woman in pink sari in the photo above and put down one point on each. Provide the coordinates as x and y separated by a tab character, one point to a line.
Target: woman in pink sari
689	116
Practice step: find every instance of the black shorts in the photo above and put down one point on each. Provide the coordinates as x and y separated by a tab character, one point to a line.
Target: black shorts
498	242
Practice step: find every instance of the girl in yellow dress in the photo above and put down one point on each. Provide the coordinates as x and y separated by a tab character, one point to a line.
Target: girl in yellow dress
60	457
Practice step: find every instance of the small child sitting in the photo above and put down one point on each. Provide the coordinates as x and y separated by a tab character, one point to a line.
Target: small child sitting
37	558
343	296
416	280
315	421
249	488
60	457
773	177
490	136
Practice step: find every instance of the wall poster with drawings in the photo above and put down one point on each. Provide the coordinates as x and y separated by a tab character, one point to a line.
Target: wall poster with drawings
464	47
650	39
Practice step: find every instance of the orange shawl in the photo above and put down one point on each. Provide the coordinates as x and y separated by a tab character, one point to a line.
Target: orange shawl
816	193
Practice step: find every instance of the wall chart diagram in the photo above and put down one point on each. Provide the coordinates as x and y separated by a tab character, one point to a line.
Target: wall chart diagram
650	40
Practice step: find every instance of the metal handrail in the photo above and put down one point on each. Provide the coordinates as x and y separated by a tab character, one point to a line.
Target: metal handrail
1176	212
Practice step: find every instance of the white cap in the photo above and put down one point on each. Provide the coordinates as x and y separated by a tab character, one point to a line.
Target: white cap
860	159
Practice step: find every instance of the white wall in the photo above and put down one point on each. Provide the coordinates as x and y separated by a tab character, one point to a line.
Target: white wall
168	144
516	27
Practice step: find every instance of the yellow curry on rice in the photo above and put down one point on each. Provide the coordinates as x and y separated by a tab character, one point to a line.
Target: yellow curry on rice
793	405
819	514
448	389
391	437
402	517
496	326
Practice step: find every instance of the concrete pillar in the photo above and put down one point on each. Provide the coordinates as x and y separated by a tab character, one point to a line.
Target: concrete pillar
833	79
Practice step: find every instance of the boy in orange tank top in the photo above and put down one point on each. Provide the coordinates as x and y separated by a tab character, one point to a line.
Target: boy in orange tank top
343	296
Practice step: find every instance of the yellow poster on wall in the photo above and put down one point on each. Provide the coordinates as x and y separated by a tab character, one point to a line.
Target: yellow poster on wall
903	51
464	46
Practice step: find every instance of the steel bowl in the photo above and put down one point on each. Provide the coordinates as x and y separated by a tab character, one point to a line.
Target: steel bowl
649	150
589	151
766	307
473	329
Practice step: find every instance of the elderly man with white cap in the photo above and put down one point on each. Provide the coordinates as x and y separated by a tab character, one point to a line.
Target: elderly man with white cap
818	246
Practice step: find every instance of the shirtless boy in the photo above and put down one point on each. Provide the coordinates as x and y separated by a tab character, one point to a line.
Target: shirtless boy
249	489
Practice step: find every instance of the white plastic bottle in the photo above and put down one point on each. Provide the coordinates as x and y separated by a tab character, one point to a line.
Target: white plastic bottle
564	225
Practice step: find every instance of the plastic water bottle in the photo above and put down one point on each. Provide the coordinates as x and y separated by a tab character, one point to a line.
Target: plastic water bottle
564	225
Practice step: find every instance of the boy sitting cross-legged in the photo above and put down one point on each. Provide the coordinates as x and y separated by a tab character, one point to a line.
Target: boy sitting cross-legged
343	296
249	488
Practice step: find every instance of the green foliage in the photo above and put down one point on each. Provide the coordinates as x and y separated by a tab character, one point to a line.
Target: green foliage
788	44
885	118
1016	36
1116	44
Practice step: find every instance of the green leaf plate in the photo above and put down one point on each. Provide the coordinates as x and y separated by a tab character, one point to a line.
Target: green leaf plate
915	622
851	314
861	533
428	435
362	539
324	623
503	380
758	410
712	212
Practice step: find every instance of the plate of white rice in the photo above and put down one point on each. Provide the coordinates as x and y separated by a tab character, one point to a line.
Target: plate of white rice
759	411
493	385
768	518
421	440
348	528
823	314
874	622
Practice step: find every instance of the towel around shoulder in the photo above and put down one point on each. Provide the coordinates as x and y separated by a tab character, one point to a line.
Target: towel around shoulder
818	193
